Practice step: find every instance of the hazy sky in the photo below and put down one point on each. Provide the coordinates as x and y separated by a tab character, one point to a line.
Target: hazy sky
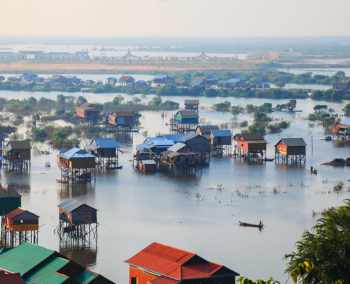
175	17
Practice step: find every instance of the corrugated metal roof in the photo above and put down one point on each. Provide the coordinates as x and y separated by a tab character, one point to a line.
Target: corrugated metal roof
176	147
91	147
24	257
221	133
72	204
11	278
106	143
124	78
119	113
164	280
7	191
162	142
190	136
208	127
145	146
88	106
175	137
18	145
234	80
149	162
76	153
45	273
85	276
196	82
170	154
191	102
252	136
344	81
19	211
55	77
345	121
290	142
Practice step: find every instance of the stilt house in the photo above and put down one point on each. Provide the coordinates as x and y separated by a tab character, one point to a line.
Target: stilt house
198	143
106	151
161	264
250	146
291	150
88	111
123	118
17	154
75	212
221	137
204	130
76	164
192	105
10	199
186	117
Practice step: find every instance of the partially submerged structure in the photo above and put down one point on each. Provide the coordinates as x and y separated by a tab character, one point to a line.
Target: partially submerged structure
106	152
77	222
37	264
198	143
341	130
184	121
192	105
20	226
290	150
76	165
161	264
10	199
88	112
180	158
17	155
250	146
220	140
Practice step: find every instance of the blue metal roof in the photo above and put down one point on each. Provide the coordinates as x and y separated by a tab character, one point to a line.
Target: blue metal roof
175	137
112	78
76	153
71	77
71	204
162	142
222	81
196	82
106	143
345	121
161	77
189	136
141	81
234	80
222	133
145	146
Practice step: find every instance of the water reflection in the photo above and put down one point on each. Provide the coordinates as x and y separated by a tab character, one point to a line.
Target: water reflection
84	255
69	190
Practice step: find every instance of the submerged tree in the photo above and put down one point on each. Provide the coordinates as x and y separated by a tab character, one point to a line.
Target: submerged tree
326	247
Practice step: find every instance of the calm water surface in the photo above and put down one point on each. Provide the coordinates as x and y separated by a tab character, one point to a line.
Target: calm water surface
136	209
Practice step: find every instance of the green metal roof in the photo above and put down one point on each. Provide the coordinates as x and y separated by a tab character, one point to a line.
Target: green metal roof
23	258
46	273
85	277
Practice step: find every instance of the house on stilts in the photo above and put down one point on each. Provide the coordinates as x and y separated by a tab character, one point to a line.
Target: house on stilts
290	150
250	147
17	155
184	121
106	151
221	141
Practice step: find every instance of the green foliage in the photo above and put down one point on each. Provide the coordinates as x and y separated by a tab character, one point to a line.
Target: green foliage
243	280
235	110
80	100
260	116
156	101
257	127
274	128
328	95
210	93
225	106
318	108
326	246
244	123
347	108
283	124
60	111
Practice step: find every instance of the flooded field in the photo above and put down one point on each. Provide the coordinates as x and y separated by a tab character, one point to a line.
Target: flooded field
136	209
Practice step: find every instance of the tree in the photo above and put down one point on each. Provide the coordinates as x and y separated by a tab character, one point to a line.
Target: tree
156	101
327	247
80	100
61	99
136	100
243	280
210	93
280	84
118	100
347	108
317	95
340	74
235	110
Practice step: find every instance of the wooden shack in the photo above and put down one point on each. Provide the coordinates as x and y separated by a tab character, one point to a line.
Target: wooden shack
17	155
147	166
88	111
204	130
342	85
221	141
106	151
10	199
20	225
199	144
75	212
76	164
290	150
121	119
250	146
180	158
184	121
341	130
192	105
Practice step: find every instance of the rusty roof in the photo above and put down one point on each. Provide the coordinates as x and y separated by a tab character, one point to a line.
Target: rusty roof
290	142
88	106
15	212
164	280
172	262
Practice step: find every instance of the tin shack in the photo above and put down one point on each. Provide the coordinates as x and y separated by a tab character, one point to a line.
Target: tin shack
10	199
17	155
250	146
290	150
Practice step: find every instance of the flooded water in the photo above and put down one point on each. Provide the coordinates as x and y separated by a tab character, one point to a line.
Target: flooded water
317	71
117	51
136	209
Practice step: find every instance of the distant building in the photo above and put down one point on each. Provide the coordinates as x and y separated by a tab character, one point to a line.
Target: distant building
182	83
2	78
17	154
263	85
161	264
159	144
10	199
250	146
203	56
121	118
38	80
206	129
192	105
141	84
72	80
186	117
88	111
221	84
58	79
112	80
233	83
198	143
126	80
197	83
342	85
162	80
211	81
28	77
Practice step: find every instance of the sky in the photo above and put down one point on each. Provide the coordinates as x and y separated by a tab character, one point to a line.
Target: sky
222	18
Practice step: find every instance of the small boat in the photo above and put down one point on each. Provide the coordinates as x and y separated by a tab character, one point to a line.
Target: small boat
114	168
61	181
328	138
268	160
251	225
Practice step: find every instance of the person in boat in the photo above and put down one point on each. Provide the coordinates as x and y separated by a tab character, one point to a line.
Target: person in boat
260	223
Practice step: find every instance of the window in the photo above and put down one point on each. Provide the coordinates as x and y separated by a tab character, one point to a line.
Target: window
25	154
129	119
133	280
291	148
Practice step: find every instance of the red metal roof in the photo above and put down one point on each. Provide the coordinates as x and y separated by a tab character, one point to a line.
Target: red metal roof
343	125
11	279
15	212
174	263
164	280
